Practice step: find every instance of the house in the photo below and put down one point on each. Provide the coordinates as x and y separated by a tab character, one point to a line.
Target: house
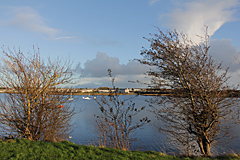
87	90
103	90
124	90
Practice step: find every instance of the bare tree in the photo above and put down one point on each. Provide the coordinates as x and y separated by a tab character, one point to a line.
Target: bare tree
31	109
115	124
200	104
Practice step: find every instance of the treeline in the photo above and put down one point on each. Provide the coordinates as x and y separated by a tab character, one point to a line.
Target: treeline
184	92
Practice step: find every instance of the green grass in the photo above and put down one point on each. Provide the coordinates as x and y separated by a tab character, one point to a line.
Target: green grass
25	149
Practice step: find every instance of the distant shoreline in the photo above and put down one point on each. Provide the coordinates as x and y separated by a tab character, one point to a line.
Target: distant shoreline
142	92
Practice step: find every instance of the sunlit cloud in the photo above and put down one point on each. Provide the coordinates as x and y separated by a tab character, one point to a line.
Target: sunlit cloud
194	15
94	73
26	18
98	66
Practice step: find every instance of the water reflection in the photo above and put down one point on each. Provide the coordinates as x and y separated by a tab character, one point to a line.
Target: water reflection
148	137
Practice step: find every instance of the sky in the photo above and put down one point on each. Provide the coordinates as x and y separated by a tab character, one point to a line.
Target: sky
97	35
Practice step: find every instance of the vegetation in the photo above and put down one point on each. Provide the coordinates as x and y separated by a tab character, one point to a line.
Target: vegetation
198	116
26	149
114	125
30	110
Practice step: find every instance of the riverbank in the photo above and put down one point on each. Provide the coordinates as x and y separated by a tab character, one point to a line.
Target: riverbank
25	149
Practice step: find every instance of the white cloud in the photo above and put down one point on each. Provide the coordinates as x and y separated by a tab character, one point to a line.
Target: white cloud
194	15
94	73
98	66
28	19
223	51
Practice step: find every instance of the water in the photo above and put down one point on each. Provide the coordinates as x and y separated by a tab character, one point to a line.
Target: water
148	137
85	132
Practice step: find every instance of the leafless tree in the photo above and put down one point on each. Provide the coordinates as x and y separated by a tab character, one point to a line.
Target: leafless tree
31	109
198	109
115	124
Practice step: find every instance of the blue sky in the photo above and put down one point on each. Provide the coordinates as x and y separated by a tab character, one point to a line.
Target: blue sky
98	35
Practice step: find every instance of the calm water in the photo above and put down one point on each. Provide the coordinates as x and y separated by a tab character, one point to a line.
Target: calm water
148	137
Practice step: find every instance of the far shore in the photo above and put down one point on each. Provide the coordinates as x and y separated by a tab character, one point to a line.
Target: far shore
141	91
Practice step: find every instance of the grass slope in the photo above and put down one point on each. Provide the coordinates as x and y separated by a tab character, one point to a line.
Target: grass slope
25	149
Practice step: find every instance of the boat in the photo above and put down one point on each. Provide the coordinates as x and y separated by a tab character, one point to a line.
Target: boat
87	98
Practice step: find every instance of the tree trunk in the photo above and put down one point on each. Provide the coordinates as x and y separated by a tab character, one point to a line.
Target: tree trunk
28	134
188	146
204	147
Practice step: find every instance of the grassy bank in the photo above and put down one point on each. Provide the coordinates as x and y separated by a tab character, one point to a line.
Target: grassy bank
25	149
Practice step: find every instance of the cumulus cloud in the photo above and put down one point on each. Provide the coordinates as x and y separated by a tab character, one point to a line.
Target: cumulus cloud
223	51
191	17
98	66
195	14
94	73
28	19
